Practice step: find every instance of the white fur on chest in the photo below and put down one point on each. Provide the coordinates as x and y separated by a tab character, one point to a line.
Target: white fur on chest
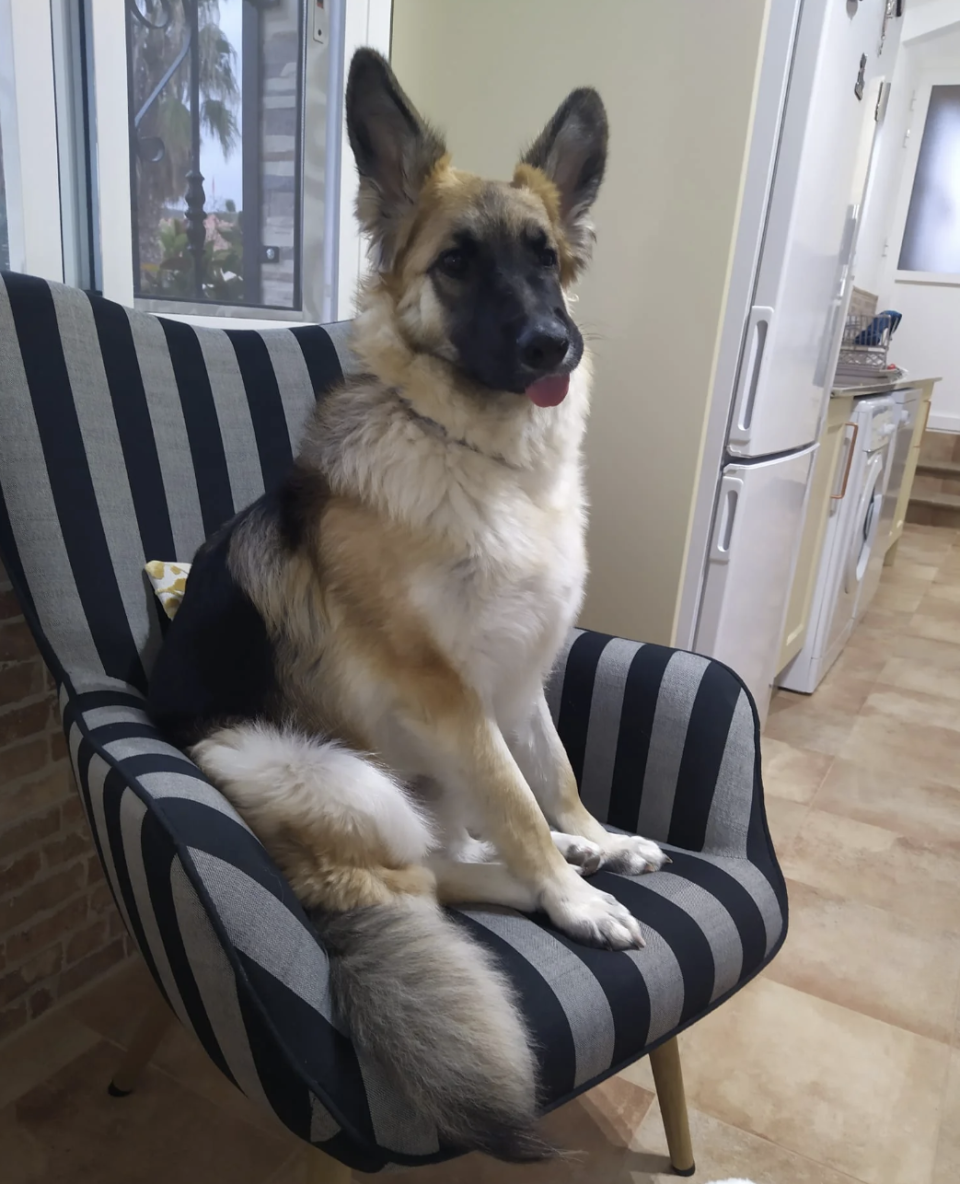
501	610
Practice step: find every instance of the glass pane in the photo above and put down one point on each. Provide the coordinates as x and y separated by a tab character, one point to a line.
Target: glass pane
4	233
931	237
215	92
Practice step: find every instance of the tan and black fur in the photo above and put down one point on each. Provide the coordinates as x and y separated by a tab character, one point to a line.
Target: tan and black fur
360	657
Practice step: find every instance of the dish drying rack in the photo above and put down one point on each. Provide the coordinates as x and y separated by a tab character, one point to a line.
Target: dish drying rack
863	349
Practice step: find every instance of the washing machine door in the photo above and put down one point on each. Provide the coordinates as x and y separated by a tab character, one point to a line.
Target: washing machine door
866	524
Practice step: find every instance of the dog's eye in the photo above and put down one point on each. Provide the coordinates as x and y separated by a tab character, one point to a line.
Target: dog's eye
547	257
453	263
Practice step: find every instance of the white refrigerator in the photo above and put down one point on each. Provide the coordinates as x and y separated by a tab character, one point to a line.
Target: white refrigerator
790	283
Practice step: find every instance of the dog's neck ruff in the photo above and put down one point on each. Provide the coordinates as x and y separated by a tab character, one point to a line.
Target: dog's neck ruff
437	429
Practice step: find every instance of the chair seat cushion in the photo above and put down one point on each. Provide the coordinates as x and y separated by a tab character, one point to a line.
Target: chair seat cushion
241	964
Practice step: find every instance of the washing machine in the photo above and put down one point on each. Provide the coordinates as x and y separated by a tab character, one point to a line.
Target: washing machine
852	552
908	408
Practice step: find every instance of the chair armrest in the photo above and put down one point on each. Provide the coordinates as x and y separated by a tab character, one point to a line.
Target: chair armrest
662	742
223	935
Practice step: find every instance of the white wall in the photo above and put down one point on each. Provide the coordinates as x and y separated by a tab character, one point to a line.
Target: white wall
677	79
928	340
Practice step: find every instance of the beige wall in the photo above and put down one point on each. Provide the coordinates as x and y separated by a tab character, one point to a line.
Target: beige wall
677	79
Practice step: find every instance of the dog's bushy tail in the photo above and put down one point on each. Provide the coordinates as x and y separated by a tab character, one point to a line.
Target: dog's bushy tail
429	1005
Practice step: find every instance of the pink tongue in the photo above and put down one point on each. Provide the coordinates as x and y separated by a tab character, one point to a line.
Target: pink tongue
548	392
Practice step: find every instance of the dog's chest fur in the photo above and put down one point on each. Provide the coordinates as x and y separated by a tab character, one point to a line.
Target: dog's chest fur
491	514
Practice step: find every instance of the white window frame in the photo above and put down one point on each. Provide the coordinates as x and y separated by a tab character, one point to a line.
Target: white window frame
364	22
921	104
29	128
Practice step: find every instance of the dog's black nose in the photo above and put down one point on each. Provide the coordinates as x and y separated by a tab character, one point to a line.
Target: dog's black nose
543	346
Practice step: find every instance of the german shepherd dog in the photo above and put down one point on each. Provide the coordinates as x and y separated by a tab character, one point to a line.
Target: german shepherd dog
359	659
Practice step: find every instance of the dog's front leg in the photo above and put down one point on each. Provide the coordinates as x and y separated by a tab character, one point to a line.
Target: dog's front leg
542	759
462	747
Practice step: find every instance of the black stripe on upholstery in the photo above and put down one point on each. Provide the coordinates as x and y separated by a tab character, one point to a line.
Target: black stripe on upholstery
266	405
122	367
738	902
125	730
622	982
38	333
576	695
158	856
684	936
361	1159
710	719
544	1014
320	354
88	700
640	697
203	426
323	1055
85	753
114	786
158	762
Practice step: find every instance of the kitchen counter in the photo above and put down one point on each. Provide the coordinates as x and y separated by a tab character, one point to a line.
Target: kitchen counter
881	386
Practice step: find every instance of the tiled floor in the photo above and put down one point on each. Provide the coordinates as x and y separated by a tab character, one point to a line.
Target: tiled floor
841	1063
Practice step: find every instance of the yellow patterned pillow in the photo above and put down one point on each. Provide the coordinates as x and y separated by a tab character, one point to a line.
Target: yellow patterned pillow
169	581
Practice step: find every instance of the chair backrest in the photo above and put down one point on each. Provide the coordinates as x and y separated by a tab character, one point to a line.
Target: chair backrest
126	437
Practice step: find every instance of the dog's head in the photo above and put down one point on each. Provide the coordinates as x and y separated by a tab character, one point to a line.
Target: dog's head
477	268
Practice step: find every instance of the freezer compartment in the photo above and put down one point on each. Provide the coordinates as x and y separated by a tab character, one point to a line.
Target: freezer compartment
758	521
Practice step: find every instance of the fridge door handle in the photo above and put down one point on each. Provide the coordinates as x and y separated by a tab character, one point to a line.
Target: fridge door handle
759	325
730	490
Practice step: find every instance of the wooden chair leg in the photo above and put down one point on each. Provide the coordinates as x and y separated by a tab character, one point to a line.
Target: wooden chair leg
156	1019
668	1078
324	1169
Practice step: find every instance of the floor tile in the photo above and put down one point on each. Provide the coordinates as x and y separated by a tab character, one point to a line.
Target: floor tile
791	773
784	818
825	1082
114	1010
943	655
946	1169
821	722
36	1052
724	1152
897	745
916	880
946	591
863	662
68	1132
929	624
914	674
600	1126
878	624
901	596
870	960
924	810
903	569
913	707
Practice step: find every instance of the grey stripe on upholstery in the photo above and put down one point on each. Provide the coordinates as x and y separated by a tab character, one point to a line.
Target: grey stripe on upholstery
678	692
606	707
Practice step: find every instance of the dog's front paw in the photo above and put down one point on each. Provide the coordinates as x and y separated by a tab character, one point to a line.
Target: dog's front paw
587	915
585	856
631	855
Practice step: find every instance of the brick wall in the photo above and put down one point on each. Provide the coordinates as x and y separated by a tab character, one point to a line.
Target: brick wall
59	928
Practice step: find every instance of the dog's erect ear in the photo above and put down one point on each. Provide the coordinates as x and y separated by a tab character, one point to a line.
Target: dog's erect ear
394	149
572	151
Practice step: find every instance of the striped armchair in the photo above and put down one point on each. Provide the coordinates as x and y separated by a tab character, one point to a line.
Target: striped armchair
126	437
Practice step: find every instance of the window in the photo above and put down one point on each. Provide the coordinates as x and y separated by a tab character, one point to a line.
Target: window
215	94
931	237
4	232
